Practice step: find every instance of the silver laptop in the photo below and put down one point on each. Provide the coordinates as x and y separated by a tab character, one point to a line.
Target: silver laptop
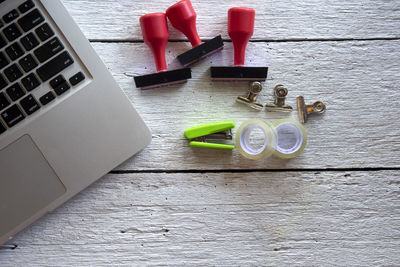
64	122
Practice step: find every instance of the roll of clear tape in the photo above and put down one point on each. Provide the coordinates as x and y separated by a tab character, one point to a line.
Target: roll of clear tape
243	139
291	138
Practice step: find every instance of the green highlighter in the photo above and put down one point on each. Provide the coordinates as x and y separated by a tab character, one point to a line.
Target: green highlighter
199	135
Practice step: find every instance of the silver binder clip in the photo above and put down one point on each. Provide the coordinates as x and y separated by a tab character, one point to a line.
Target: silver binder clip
280	93
251	97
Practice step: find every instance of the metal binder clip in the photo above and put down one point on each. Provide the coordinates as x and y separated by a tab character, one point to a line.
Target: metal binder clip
280	93
250	99
199	135
305	110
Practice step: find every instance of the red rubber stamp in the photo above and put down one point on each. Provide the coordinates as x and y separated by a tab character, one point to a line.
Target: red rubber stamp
240	29
183	17
155	35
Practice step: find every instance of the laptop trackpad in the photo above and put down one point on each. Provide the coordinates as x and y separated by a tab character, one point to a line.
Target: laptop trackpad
27	183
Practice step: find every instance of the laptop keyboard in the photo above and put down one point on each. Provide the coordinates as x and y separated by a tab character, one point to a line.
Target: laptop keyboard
30	54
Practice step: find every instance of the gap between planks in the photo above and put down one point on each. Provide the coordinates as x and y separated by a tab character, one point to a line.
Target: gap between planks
138	41
259	170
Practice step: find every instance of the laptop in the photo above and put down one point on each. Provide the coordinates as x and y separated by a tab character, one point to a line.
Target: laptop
64	122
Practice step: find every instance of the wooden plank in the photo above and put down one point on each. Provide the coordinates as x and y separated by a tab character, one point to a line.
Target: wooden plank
275	20
358	81
256	218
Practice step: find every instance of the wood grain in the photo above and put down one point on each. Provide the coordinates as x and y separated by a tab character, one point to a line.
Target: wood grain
224	219
358	81
275	20
187	206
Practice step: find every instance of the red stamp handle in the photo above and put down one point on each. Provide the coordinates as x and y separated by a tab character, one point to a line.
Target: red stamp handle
240	29
155	35
183	17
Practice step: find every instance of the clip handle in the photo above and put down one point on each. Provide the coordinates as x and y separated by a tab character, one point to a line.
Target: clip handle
211	145
155	35
183	17
240	29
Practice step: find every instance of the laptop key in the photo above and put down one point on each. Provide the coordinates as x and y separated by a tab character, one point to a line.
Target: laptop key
10	16
44	32
13	73
47	98
62	88
3	101
29	104
30	82
15	91
30	20
25	6
28	63
59	79
14	51
3	82
48	50
2	41
2	128
12	32
77	78
29	41
54	66
12	116
3	60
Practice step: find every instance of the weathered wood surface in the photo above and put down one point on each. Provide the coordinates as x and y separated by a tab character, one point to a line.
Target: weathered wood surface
340	217
221	219
275	20
358	81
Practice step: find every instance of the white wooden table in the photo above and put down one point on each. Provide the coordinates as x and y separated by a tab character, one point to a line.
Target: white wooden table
336	204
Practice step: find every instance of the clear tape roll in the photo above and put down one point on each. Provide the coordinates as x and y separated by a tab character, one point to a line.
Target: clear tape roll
243	142
291	138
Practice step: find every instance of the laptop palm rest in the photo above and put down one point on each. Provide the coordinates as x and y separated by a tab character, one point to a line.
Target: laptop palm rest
27	183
